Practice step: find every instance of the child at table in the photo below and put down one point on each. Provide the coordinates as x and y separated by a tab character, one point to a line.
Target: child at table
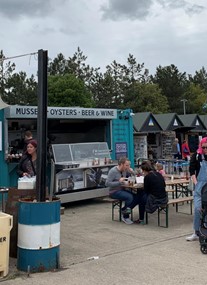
160	169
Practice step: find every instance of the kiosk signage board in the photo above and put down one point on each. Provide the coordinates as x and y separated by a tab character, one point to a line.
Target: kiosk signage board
61	113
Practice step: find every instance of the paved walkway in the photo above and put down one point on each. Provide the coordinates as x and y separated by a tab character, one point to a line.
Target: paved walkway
127	254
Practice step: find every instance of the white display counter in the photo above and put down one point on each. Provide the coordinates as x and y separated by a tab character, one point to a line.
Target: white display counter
80	170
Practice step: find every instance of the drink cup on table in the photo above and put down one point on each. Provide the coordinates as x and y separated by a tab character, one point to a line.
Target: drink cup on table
126	182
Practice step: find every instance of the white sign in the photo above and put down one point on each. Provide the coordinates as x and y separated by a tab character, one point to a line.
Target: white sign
140	179
61	113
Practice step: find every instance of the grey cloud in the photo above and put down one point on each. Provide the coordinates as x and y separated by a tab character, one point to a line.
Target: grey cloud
14	9
172	3
140	9
187	7
126	9
194	9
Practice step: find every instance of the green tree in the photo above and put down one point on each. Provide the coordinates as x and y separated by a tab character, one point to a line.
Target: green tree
101	90
196	98
173	85
111	88
145	98
21	90
134	71
6	70
59	65
67	90
16	88
200	78
75	65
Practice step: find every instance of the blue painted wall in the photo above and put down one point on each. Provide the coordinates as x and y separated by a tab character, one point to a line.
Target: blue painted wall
4	177
122	135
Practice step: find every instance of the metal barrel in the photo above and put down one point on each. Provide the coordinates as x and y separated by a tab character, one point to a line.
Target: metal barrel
38	236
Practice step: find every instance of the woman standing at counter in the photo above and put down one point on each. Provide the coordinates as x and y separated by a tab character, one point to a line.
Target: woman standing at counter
27	164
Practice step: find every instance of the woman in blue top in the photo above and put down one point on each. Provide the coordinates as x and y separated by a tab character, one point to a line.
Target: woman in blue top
176	149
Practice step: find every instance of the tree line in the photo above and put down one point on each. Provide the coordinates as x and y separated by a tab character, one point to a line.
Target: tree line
72	82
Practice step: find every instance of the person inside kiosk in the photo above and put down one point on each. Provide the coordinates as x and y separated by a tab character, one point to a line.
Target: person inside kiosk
27	164
27	138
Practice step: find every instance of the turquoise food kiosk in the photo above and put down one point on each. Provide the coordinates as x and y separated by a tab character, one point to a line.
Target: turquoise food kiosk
66	125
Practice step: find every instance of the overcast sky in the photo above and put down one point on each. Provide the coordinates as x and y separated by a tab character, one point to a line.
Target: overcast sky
156	32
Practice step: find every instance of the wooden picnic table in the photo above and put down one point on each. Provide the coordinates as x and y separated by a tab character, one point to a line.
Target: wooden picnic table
180	186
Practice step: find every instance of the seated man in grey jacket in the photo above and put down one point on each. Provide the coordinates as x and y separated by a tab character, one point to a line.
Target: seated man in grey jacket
117	189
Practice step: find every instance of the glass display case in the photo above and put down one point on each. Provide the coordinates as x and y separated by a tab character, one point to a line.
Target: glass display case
80	168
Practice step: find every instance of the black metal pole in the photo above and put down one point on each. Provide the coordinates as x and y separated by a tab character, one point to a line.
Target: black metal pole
42	126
